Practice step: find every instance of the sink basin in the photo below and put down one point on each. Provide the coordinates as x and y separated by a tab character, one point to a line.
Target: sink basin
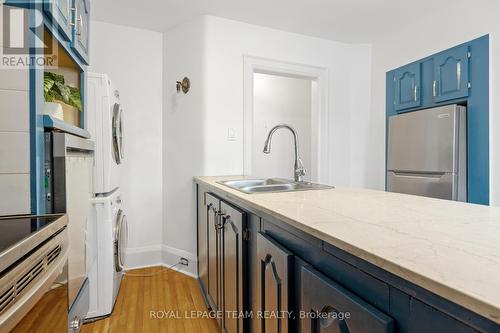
271	185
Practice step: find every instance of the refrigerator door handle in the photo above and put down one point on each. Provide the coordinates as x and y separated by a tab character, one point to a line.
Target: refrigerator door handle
441	185
414	174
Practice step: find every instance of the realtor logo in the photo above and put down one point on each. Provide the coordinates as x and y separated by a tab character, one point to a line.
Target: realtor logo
22	38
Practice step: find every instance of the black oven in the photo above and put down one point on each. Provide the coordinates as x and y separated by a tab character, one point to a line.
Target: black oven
34	274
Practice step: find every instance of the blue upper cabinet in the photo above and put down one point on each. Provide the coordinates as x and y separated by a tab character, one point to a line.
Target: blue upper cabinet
80	42
407	83
451	74
59	12
456	75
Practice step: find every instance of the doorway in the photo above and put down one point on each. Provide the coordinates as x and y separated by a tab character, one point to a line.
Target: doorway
281	100
283	93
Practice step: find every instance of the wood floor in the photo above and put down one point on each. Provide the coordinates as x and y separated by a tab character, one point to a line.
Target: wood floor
174	293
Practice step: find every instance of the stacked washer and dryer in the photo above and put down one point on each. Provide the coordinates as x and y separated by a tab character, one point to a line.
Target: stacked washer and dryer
104	122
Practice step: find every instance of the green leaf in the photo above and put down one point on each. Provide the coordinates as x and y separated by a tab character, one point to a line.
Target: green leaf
64	91
54	89
54	77
47	84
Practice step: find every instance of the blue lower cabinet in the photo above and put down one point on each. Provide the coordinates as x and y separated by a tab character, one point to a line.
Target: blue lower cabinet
328	307
273	278
299	283
60	13
407	83
412	315
451	74
81	30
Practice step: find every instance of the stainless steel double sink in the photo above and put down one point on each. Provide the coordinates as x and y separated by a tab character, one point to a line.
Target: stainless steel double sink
271	185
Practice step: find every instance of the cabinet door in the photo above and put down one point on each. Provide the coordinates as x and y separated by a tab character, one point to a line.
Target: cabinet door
273	276
80	42
233	224
212	213
202	240
407	87
59	11
451	74
328	307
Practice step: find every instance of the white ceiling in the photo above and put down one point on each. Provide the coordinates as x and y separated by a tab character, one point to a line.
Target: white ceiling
351	21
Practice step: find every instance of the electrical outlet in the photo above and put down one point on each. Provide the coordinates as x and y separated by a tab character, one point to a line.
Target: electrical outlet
184	262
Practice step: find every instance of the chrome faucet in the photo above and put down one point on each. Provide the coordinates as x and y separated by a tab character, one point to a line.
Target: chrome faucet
299	170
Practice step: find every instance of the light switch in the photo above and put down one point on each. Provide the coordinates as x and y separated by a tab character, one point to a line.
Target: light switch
231	134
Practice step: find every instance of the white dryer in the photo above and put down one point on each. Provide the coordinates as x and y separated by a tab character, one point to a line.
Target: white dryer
105	124
104	282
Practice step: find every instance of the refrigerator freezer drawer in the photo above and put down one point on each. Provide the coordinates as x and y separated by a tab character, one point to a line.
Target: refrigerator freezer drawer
434	185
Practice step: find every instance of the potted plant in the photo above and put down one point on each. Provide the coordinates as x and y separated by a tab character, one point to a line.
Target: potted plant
61	101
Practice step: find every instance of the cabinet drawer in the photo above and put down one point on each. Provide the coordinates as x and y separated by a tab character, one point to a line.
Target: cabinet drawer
328	307
411	315
325	258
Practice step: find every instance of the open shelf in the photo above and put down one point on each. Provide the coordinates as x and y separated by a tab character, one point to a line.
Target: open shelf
72	74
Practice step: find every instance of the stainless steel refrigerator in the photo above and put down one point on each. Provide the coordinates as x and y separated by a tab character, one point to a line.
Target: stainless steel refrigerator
427	153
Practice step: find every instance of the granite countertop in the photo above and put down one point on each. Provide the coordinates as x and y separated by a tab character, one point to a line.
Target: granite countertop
449	248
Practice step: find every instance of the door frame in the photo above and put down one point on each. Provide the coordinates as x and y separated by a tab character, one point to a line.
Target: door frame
319	108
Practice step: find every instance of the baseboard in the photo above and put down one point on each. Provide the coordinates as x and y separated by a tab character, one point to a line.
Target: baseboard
146	256
171	257
161	255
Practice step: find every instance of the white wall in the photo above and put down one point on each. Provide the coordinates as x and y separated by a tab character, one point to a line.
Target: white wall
227	42
281	100
133	58
460	22
210	51
183	136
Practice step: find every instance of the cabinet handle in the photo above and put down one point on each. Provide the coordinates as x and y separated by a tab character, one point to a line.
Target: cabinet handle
415	93
73	24
80	29
223	221
434	88
218	222
70	8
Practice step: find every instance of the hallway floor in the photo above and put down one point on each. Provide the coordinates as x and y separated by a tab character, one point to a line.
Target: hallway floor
158	303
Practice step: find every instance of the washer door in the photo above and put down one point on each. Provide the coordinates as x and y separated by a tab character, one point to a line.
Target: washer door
117	130
121	239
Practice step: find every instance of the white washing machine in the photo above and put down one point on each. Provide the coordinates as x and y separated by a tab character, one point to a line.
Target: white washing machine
105	124
112	236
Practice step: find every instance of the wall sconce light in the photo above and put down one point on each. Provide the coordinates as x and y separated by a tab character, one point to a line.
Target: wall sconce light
183	85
